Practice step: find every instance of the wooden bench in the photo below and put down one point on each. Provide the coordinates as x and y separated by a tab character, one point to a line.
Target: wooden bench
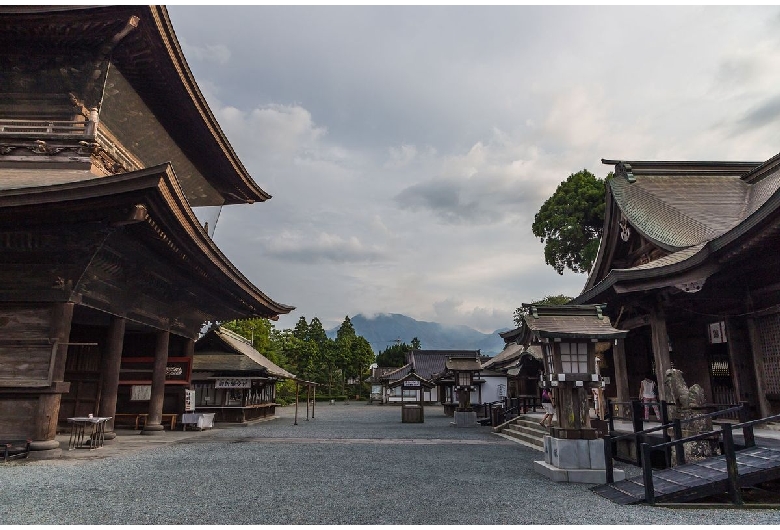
12	449
139	420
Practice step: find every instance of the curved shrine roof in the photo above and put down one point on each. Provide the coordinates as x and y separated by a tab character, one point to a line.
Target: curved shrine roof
151	59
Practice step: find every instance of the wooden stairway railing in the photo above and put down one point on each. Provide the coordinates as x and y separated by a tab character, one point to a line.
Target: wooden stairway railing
729	451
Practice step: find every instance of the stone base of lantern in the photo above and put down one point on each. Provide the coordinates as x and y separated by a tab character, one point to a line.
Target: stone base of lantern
465	418
575	461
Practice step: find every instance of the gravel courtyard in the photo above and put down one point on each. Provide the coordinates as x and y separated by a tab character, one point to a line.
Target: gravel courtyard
352	464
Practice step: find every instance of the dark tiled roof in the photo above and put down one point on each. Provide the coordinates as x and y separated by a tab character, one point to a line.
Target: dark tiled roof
511	352
681	204
687	209
512	356
428	363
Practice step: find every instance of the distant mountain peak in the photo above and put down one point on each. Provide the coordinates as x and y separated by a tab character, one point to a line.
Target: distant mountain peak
384	329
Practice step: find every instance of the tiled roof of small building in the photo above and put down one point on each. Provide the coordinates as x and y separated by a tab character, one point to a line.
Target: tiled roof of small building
511	352
428	363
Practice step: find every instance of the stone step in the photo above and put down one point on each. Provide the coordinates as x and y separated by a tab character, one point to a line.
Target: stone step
532	439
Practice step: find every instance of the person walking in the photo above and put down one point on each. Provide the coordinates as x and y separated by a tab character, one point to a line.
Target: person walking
647	395
549	407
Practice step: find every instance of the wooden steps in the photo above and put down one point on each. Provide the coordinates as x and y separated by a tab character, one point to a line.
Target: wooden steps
697	479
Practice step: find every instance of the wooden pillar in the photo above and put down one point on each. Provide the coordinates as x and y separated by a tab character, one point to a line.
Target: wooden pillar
758	367
296	404
308	399
49	403
314	400
660	341
621	373
112	359
154	420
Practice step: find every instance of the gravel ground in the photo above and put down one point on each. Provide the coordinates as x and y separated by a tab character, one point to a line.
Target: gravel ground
353	464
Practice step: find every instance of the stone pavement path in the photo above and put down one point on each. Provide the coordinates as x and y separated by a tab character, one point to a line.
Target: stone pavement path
352	464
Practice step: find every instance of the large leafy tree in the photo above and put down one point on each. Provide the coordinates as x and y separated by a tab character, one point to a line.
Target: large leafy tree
570	222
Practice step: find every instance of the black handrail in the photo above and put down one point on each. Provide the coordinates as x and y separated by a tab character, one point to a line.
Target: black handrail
675	425
729	451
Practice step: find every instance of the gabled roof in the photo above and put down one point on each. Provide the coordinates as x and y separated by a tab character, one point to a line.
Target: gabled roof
567	321
149	56
428	363
691	210
223	350
511	355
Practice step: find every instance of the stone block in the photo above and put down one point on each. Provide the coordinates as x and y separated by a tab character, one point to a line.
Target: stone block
597	454
569	454
585	476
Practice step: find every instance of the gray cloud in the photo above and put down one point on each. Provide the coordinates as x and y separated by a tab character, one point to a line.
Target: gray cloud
448	200
408	148
766	113
324	247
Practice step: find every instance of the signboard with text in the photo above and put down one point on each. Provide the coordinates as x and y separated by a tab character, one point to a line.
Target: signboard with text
233	382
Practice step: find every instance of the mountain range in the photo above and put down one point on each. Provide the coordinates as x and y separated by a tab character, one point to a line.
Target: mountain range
385	329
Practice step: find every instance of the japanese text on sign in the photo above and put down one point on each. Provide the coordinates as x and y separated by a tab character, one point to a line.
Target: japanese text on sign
233	383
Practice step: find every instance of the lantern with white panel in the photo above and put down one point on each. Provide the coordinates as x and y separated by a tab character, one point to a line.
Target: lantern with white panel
571	336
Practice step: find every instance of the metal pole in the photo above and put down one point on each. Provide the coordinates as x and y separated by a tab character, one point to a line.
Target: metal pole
680	447
731	464
647	472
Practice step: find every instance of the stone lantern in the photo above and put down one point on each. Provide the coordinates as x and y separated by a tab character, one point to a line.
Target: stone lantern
464	369
571	336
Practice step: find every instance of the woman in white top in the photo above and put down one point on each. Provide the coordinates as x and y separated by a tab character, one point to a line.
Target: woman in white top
647	395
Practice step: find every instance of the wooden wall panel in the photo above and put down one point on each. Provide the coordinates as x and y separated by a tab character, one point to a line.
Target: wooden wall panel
25	350
16	417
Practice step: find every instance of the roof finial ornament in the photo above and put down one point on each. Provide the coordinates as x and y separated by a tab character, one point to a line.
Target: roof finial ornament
623	169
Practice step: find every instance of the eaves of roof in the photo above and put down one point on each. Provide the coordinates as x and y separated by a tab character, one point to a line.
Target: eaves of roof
161	211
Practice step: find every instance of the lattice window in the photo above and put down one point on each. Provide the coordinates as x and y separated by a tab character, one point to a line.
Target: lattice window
769	333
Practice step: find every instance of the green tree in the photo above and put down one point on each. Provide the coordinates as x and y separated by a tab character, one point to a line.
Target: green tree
553	299
570	222
301	330
416	344
258	331
393	356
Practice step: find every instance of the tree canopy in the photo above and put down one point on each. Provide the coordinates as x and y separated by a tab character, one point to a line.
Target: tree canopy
571	221
307	351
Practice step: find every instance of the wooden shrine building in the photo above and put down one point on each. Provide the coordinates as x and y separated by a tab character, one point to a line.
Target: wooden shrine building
107	150
233	380
688	265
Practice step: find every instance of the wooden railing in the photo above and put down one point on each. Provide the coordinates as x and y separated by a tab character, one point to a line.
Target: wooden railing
47	127
675	425
729	452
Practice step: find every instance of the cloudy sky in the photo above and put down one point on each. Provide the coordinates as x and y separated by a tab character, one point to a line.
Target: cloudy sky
407	149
